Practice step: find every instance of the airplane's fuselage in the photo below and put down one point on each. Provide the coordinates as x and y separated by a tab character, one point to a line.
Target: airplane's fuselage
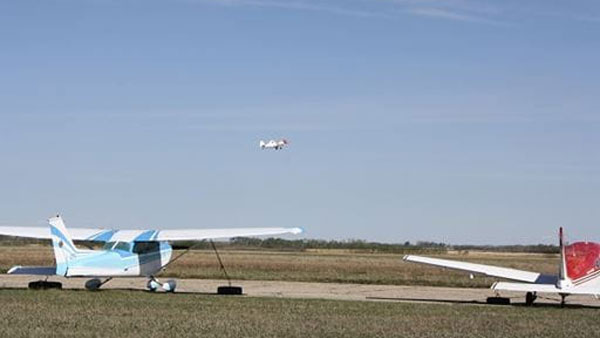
272	144
121	259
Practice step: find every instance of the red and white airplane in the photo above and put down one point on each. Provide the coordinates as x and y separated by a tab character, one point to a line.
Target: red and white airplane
273	144
578	273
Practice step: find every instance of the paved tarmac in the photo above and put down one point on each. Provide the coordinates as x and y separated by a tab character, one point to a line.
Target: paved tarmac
334	291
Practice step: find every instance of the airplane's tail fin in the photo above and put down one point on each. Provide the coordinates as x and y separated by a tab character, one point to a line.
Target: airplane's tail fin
64	248
262	143
579	263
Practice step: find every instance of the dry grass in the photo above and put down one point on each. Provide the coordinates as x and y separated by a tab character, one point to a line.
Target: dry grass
314	266
26	313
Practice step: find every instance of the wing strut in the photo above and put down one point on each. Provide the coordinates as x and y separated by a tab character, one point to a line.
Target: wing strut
176	258
214	247
220	262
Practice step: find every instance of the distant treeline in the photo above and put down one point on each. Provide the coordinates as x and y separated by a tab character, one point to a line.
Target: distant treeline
278	244
360	245
14	241
537	248
317	244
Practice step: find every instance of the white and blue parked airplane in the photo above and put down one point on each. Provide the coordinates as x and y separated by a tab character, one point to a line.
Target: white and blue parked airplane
126	253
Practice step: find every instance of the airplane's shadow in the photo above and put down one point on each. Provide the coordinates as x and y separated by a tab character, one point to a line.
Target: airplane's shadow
128	290
476	302
157	292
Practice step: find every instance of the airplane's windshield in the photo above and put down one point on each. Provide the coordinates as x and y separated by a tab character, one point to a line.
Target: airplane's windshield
108	245
123	246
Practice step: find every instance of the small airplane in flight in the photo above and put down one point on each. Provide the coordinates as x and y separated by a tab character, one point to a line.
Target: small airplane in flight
126	253
273	144
579	270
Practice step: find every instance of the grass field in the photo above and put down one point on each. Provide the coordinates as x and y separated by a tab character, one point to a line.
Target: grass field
142	314
313	266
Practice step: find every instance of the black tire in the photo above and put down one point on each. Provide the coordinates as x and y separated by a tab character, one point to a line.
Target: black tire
229	290
171	285
529	298
44	285
498	300
93	284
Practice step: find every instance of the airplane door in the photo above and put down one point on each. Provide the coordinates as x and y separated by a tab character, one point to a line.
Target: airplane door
148	257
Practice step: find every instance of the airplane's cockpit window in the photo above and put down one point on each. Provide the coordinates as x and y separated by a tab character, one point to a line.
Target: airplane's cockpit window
108	245
146	247
123	246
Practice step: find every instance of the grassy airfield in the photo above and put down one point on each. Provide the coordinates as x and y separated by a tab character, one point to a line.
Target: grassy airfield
314	266
137	313
142	314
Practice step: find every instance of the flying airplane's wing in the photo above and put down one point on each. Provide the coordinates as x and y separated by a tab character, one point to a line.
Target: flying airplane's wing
102	235
488	270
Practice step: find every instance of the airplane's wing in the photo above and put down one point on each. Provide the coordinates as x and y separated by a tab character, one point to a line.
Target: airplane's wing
79	234
188	234
488	270
103	235
197	234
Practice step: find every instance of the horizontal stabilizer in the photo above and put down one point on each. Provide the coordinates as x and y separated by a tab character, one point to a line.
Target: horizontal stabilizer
544	288
488	270
32	270
525	287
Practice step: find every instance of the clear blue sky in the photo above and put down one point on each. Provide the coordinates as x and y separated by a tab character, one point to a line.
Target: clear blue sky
448	120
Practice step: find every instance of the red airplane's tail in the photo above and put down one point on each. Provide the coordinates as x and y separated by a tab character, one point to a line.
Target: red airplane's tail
580	261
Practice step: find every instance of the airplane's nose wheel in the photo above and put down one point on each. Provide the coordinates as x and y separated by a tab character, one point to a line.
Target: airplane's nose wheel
95	284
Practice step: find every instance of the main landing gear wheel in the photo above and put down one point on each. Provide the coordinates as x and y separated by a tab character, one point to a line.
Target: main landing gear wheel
44	285
153	285
170	286
562	299
530	297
